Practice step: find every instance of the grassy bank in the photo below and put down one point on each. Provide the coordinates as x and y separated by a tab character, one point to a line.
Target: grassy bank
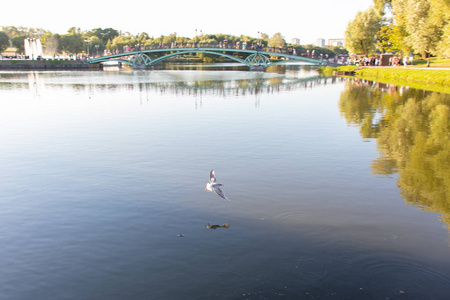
434	63
409	74
433	79
425	79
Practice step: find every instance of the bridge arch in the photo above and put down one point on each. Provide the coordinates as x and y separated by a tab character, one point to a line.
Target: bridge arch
160	59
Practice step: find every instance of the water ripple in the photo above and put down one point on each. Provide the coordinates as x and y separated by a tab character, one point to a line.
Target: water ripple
305	222
400	277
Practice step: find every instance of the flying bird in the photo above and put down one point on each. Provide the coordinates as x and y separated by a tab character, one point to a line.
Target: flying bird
212	185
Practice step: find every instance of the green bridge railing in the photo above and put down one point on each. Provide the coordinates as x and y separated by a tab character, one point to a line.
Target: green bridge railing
253	57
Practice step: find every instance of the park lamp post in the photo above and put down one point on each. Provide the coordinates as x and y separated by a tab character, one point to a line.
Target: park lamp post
195	40
96	47
259	41
201	33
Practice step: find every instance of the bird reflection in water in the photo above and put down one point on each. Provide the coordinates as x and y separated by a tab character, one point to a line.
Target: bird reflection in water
209	226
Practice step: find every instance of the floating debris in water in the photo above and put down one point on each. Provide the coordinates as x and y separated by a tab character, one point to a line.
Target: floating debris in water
209	226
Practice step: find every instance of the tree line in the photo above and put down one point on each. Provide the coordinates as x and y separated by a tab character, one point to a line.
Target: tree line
98	40
402	27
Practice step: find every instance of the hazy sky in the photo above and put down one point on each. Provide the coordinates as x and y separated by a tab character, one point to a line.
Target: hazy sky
306	20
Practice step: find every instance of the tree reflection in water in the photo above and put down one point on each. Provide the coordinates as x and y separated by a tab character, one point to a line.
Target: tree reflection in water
412	132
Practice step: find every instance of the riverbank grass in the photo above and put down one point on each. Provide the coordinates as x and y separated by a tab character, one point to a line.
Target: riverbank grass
433	78
434	63
421	75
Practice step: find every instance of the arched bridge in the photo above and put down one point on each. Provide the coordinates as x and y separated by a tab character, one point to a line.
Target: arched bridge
253	58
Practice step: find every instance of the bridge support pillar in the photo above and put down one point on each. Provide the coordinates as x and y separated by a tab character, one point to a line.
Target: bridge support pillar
257	68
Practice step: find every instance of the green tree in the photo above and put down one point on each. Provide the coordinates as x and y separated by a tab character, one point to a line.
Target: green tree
360	36
320	50
277	40
18	42
389	39
441	16
109	45
104	34
425	23
443	47
4	41
44	39
120	41
71	43
380	5
169	39
74	31
95	45
12	31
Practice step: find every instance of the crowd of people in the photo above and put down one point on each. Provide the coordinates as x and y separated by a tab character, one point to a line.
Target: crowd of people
389	60
222	44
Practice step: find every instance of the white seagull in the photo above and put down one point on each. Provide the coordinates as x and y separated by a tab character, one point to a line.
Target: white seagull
212	185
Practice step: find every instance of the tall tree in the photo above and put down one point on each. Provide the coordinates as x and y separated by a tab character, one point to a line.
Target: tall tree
105	34
441	12
18	42
423	22
12	31
277	40
4	41
72	43
360	36
74	30
443	47
95	45
380	5
389	39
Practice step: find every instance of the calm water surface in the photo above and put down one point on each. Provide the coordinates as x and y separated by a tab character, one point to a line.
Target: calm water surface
338	189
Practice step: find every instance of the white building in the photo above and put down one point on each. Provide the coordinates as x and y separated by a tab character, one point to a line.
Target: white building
295	41
336	42
320	43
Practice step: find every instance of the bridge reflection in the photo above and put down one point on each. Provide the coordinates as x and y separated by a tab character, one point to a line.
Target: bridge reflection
257	85
234	88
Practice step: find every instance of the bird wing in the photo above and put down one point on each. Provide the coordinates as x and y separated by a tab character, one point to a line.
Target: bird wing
220	193
212	176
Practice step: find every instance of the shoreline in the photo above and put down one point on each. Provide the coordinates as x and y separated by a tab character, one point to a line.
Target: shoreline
61	64
432	78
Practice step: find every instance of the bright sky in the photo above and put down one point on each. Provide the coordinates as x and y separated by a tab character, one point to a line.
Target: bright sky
304	19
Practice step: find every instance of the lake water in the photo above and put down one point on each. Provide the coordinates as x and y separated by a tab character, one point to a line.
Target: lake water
338	188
